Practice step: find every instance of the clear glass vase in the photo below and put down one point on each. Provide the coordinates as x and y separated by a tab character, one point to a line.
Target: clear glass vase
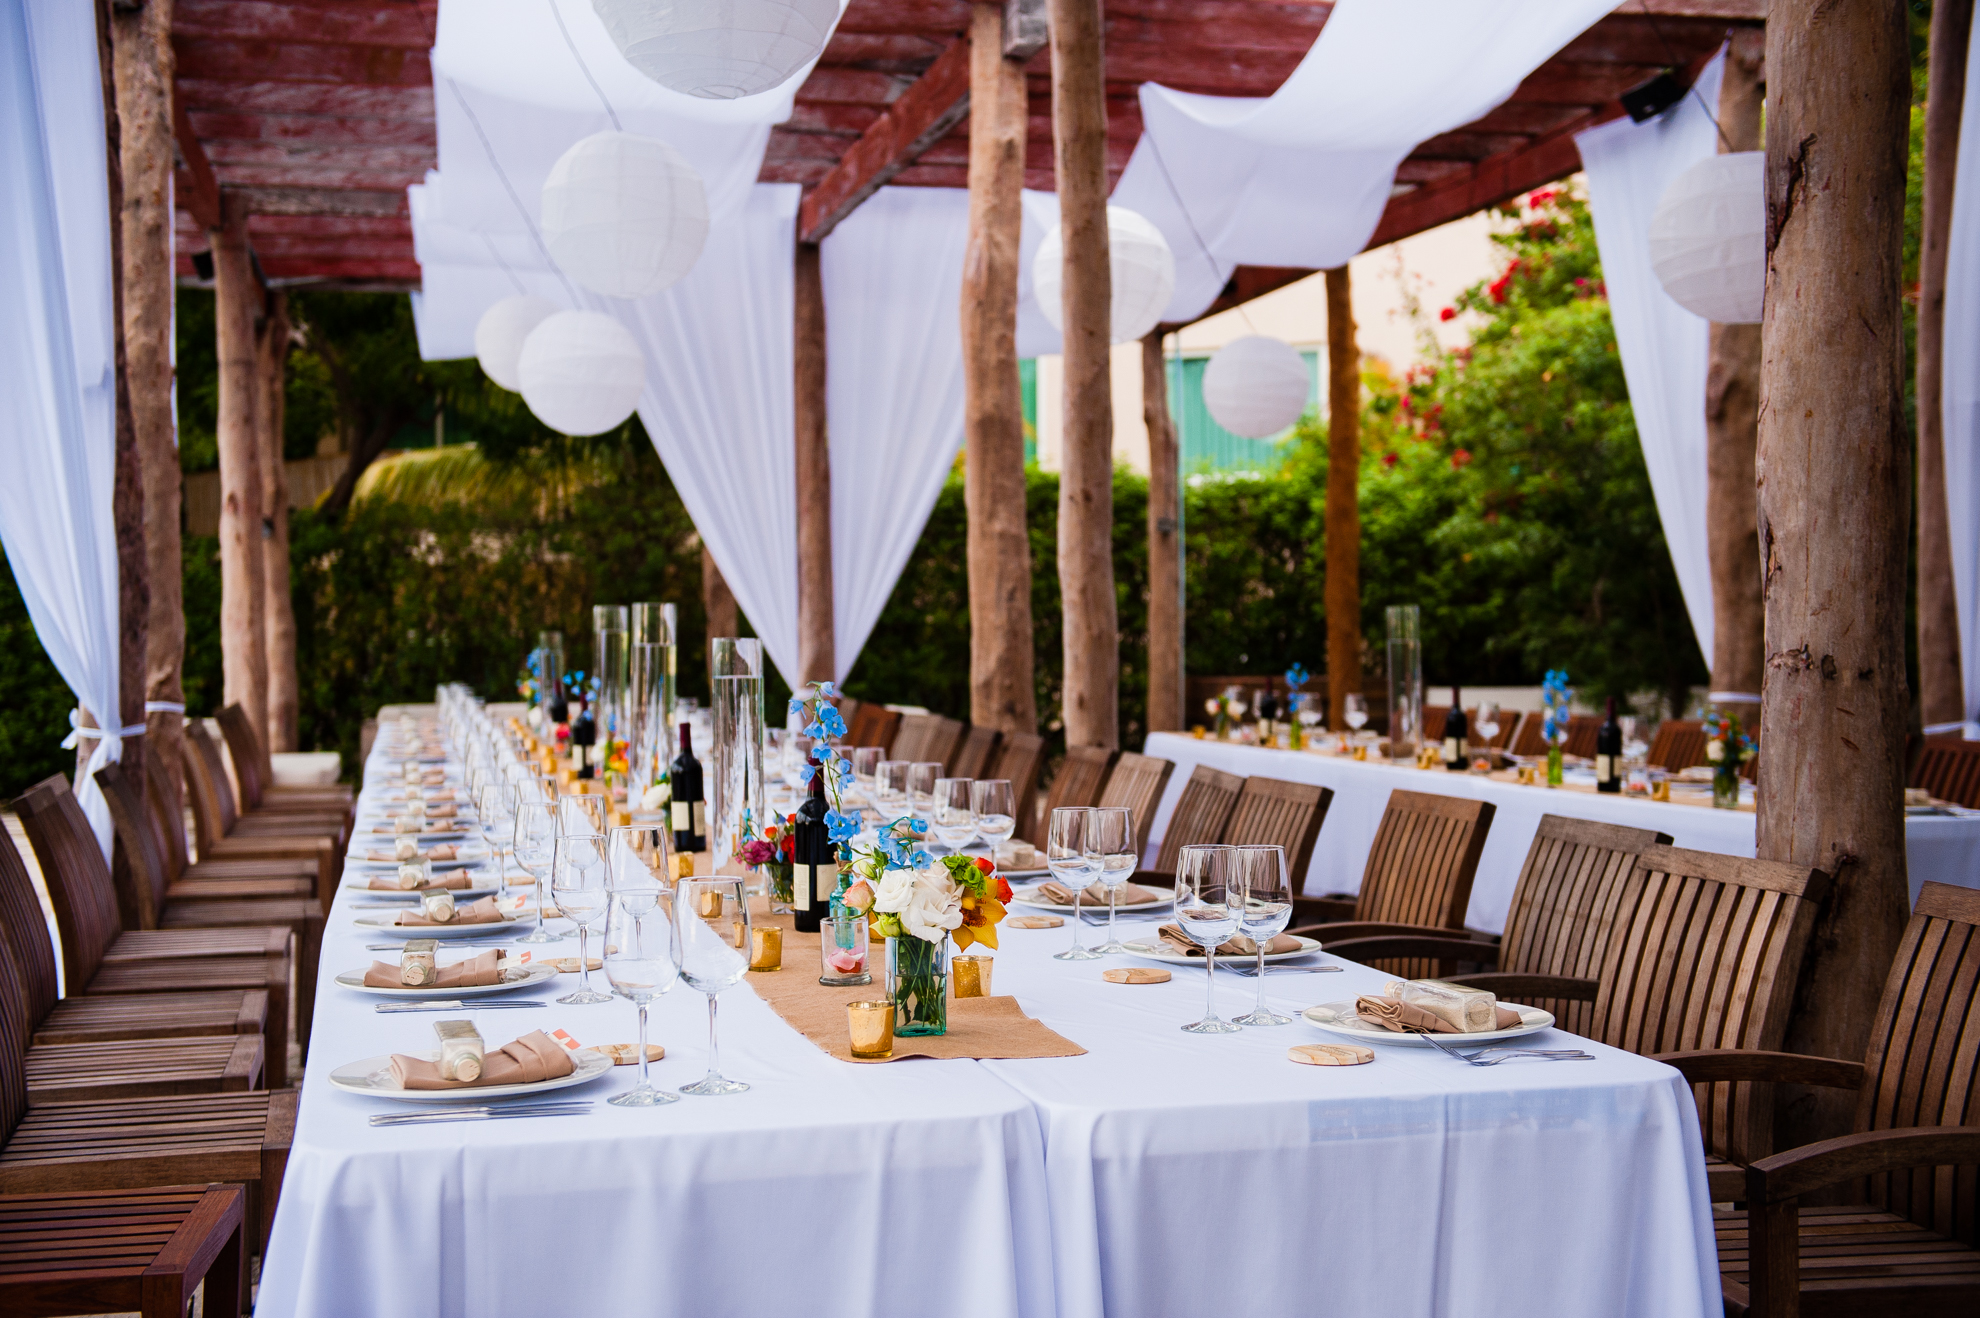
1725	788
1555	775
1405	681
842	950
734	777
918	985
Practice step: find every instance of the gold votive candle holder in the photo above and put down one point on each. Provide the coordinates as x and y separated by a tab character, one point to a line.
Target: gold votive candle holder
708	903
970	975
1660	789
872	1027
1525	774
766	948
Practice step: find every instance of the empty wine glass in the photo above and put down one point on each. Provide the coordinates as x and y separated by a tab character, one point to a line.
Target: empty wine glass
1486	725
578	882
535	838
495	808
955	815
711	952
1110	837
639	961
890	787
1354	709
1209	897
921	779
990	800
582	814
1267	911
797	756
1074	865
866	763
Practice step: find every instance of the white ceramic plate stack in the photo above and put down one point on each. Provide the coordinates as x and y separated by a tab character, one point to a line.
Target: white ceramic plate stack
1153	949
373	1076
1339	1018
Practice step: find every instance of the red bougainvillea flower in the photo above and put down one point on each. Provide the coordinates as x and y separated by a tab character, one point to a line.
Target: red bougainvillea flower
1541	198
1388	459
1460	459
1448	313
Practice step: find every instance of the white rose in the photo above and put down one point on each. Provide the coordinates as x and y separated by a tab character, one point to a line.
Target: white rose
934	908
895	889
655	797
1715	750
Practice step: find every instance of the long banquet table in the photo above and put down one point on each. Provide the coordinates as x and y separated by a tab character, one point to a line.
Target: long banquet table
1943	849
1159	1173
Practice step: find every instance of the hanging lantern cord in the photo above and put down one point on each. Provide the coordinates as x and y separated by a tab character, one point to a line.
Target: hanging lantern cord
610	113
1644	5
488	149
1190	220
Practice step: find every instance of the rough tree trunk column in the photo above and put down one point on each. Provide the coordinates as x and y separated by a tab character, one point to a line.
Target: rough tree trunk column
718	602
279	615
1091	629
1001	692
236	298
1165	598
1835	496
1732	418
814	477
1343	500
1941	688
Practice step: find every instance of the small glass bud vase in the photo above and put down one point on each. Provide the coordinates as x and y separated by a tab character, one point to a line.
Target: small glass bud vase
779	872
1725	785
1554	774
918	985
842	950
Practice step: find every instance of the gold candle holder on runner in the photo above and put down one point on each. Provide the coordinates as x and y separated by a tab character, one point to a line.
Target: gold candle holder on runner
970	975
708	903
871	1025
766	948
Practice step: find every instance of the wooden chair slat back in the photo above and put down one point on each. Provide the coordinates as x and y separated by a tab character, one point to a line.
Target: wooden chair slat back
1562	916
144	867
251	762
944	739
1078	781
1434	718
1137	782
1704	954
1420	868
1273	813
875	725
214	815
1018	759
916	735
1679	744
1200	815
1923	1065
168	815
24	932
1580	740
77	877
1950	771
15	1030
1530	739
976	753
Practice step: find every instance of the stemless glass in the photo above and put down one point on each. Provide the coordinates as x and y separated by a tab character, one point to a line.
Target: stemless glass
1110	836
535	839
1074	865
996	813
712	953
639	961
955	816
578	882
582	814
866	763
1209	896
495	805
1267	911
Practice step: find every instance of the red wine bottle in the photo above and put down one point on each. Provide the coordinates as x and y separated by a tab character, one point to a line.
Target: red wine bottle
1608	753
584	740
1454	735
690	814
814	868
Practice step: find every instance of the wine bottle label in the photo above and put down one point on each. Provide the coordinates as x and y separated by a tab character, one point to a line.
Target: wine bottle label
802	886
1450	748
825	879
700	817
682	816
1605	767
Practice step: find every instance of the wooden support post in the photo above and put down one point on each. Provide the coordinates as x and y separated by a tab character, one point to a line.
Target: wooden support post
236	298
718	602
1835	498
1941	685
1001	690
1090	626
1732	419
1165	546
279	615
1343	500
814	477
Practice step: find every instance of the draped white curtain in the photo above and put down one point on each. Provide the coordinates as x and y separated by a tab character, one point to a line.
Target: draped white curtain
1664	347
1960	401
57	356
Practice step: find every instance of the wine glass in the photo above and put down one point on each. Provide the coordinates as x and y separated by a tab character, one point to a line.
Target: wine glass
797	756
1355	710
711	953
1110	837
890	787
582	814
535	839
639	962
921	779
991	802
1267	911
1486	725
578	882
495	807
866	763
955	816
1209	896
1074	865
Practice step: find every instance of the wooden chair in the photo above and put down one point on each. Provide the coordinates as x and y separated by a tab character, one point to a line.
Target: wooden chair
976	752
129	1251
257	779
1200	815
1529	741
1580	741
1434	718
101	957
1137	782
1273	813
218	829
874	725
1019	757
1679	744
1078	782
1949	770
186	878
1910	1242
925	738
945	736
332	819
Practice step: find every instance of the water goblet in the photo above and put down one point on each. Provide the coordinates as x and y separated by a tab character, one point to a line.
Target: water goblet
1354	709
1485	726
495	808
639	962
866	764
955	817
582	814
711	956
578	882
1074	865
890	791
991	802
1110	836
1209	897
535	837
1267	911
921	778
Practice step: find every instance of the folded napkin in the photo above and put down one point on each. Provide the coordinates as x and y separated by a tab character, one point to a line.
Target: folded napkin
1095	895
390	883
471	973
481	912
445	810
529	1059
431	826
445	851
1394	1014
1235	945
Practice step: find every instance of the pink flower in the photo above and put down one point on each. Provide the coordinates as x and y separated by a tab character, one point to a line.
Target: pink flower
859	897
846	960
757	852
1448	313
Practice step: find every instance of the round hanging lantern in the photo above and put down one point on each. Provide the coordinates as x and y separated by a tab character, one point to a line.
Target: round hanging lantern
581	372
499	335
1708	238
718	49
1143	268
1256	386
624	215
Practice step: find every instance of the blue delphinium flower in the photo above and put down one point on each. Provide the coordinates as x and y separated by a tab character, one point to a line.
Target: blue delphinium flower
1297	676
827	689
832	721
842	828
797	706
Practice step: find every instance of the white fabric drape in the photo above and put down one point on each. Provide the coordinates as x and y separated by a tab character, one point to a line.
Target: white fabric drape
1300	178
1960	400
57	357
1664	347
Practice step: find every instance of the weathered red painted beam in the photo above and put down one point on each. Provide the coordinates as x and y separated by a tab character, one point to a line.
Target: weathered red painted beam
313	130
266	97
275	61
310	22
200	192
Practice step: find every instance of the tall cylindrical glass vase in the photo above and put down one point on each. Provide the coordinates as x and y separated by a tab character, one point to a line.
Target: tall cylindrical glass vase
1405	682
734	777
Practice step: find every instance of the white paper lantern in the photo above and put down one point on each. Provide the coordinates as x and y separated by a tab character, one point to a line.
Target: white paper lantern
1708	238
624	215
1143	268
1256	386
499	335
718	49
581	372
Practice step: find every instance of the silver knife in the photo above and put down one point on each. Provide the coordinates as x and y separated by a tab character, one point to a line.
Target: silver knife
480	1114
452	1004
452	942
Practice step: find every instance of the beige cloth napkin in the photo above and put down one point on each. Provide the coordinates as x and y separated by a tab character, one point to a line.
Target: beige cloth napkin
471	973
1095	895
1392	1014
445	851
481	912
431	826
535	1056
1236	945
390	883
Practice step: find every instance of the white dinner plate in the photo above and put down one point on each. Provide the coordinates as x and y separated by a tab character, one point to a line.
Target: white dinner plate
387	924
1029	897
354	979
461	895
1025	875
1153	949
1339	1018
452	833
473	853
373	1076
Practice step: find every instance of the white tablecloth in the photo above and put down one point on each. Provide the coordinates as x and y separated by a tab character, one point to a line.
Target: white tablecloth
1942	849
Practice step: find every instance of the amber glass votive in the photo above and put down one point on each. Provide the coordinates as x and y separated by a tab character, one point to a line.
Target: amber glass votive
766	948
872	1027
971	975
708	903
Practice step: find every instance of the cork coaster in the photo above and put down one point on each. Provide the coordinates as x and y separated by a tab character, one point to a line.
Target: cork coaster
1034	922
625	1054
568	965
1136	975
1330	1054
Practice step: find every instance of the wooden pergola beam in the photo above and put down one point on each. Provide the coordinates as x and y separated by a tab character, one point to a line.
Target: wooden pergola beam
202	195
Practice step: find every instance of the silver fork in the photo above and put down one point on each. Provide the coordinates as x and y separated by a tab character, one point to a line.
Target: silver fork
1252	971
483	1112
1477	1058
